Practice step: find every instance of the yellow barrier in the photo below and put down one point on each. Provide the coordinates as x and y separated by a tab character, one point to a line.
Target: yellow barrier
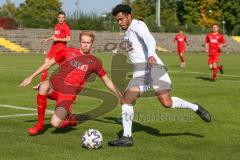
12	46
161	49
236	38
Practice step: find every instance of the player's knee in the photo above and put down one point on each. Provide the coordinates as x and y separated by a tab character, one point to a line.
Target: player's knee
55	124
129	100
44	87
167	103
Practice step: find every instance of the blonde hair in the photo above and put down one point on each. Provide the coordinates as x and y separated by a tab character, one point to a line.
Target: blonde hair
87	33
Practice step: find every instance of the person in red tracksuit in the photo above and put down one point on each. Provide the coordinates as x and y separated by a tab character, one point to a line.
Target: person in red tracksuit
214	41
62	35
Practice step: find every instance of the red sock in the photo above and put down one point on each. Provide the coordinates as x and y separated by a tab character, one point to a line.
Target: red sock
41	108
71	120
182	59
219	67
215	70
44	76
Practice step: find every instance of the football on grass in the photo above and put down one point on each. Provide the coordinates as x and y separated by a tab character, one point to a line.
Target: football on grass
92	139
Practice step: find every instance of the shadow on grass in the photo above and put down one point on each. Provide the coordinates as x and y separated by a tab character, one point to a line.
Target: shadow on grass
175	66
63	130
150	130
205	78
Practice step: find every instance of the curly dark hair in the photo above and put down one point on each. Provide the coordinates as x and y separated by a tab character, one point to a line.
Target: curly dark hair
121	8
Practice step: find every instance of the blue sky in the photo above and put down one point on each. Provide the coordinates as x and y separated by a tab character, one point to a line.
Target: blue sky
87	6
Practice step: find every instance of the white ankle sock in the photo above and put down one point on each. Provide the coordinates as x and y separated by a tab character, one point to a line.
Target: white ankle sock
180	103
127	118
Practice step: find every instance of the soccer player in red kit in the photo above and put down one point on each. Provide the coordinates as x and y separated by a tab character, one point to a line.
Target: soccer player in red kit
60	38
181	40
76	66
214	41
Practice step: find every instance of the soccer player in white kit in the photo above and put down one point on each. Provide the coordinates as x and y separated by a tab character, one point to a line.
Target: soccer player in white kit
148	71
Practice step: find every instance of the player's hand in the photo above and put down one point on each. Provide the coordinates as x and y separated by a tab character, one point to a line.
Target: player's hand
151	61
26	82
206	50
55	39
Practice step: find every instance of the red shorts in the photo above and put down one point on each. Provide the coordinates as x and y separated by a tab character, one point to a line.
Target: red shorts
181	50
55	49
213	58
63	100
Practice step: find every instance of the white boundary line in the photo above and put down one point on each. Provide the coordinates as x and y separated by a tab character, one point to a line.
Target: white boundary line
18	115
20	108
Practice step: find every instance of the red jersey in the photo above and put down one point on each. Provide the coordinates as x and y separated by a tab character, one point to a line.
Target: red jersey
64	54
74	72
181	40
214	41
61	30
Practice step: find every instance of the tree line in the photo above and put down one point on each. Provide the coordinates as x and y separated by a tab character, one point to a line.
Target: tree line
194	16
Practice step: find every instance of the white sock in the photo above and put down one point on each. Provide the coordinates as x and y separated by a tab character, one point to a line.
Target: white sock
180	103
127	118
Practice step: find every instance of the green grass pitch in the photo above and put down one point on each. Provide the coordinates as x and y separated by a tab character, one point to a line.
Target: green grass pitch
158	133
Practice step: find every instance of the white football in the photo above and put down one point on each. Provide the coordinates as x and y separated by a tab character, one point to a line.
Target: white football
92	139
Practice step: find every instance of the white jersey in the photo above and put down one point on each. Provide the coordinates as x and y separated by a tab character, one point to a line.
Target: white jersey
140	44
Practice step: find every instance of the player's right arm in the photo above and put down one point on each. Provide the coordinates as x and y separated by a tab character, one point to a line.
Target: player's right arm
207	44
175	39
47	39
42	68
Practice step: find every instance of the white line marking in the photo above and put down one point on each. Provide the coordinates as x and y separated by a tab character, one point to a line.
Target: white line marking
18	115
21	108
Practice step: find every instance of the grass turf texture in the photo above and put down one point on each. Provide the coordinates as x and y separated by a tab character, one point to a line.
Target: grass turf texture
158	133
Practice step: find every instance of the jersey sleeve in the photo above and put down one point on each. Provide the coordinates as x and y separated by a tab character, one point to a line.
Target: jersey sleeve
207	39
143	32
67	30
222	39
175	39
99	69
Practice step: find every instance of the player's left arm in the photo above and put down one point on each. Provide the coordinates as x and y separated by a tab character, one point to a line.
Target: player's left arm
186	41
223	42
143	32
109	84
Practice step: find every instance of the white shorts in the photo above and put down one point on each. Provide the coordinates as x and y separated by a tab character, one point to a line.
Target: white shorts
155	77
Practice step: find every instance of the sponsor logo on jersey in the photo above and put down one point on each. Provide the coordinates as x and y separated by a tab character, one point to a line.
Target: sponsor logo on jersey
79	65
56	32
